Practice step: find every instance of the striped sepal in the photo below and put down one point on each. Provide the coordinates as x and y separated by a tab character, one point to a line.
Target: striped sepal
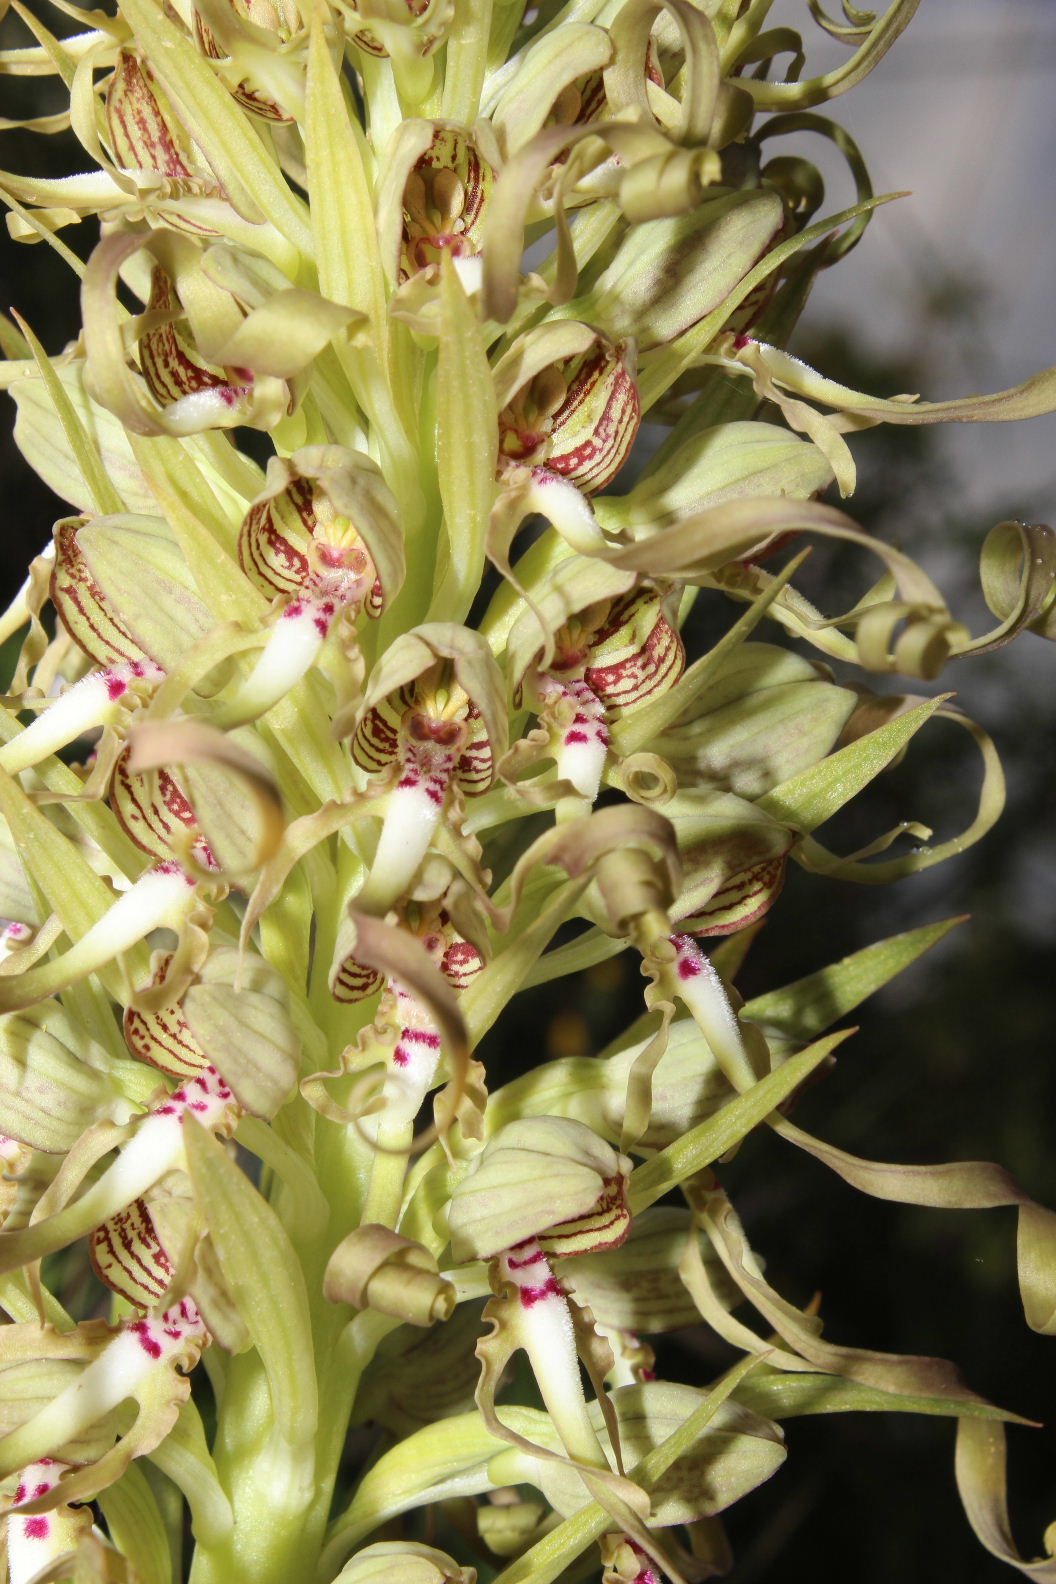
144	131
475	770
376	744
443	202
157	813
742	900
274	538
603	1227
257	103
127	1255
163	1038
594	428
460	963
80	605
636	653
171	363
428	35
352	981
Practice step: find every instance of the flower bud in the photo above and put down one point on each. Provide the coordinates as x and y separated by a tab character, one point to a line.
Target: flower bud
547	1178
767	715
670	273
55	1082
375	1268
717	464
404	1562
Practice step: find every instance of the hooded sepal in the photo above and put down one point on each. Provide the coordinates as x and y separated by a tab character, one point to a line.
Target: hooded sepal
568	402
326	520
545	1178
432	196
124	592
233	1018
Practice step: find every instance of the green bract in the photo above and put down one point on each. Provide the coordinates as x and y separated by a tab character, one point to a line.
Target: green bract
359	692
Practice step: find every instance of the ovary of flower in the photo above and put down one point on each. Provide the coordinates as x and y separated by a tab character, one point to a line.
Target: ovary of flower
94	701
35	1539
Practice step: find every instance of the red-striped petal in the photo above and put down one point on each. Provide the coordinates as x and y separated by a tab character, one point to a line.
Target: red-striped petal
163	1038
742	900
80	605
461	963
577	417
171	363
127	1255
156	812
636	653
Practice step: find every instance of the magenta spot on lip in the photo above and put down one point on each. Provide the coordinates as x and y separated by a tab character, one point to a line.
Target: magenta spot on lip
529	1259
530	1296
576	737
38	1528
115	687
400	1057
687	968
141	1332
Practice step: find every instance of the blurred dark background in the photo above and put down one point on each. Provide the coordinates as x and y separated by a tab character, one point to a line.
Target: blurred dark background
955	1060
